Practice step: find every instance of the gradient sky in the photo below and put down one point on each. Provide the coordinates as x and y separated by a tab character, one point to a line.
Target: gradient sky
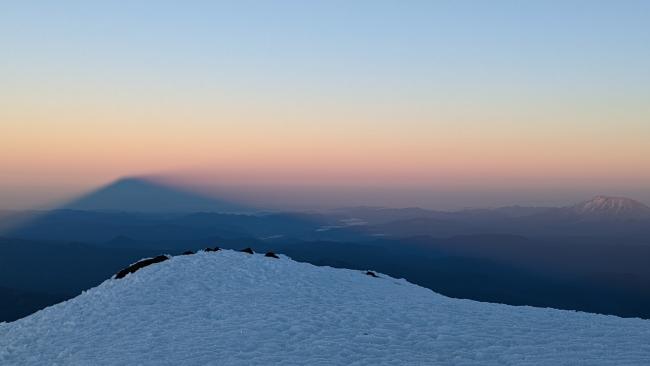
449	103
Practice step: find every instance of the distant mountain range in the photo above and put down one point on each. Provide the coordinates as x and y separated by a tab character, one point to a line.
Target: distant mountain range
598	208
151	196
601	216
137	209
590	256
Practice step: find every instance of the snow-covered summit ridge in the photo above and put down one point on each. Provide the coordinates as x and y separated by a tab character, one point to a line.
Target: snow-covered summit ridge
607	206
232	308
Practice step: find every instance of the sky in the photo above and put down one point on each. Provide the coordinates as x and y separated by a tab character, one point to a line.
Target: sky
438	104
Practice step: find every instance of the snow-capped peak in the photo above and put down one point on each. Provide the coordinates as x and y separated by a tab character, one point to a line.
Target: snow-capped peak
607	206
233	308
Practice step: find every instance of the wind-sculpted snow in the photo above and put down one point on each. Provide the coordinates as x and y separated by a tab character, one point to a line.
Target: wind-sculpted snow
232	308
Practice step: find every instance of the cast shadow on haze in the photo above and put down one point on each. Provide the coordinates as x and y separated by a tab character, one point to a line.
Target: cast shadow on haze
140	196
154	211
147	195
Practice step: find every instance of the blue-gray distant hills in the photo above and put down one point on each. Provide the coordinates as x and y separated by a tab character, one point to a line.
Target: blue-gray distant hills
591	256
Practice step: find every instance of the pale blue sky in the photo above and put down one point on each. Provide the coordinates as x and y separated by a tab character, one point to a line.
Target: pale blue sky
507	87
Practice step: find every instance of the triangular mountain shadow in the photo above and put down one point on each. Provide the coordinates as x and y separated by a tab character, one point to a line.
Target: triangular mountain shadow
124	203
149	196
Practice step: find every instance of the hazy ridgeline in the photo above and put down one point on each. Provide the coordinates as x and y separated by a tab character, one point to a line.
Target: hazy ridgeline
590	257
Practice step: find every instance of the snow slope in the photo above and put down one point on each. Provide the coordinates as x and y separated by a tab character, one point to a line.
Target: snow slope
231	308
602	207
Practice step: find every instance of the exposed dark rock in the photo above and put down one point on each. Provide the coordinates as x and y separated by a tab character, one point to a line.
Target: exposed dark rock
140	264
189	252
215	249
371	274
247	250
271	255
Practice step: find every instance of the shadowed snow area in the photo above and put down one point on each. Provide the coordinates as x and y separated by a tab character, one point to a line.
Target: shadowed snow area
231	308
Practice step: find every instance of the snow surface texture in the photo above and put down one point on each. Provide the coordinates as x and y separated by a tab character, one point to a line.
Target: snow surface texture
231	308
605	206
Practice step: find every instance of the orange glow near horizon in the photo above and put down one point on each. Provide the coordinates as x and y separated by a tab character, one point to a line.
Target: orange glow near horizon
422	104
